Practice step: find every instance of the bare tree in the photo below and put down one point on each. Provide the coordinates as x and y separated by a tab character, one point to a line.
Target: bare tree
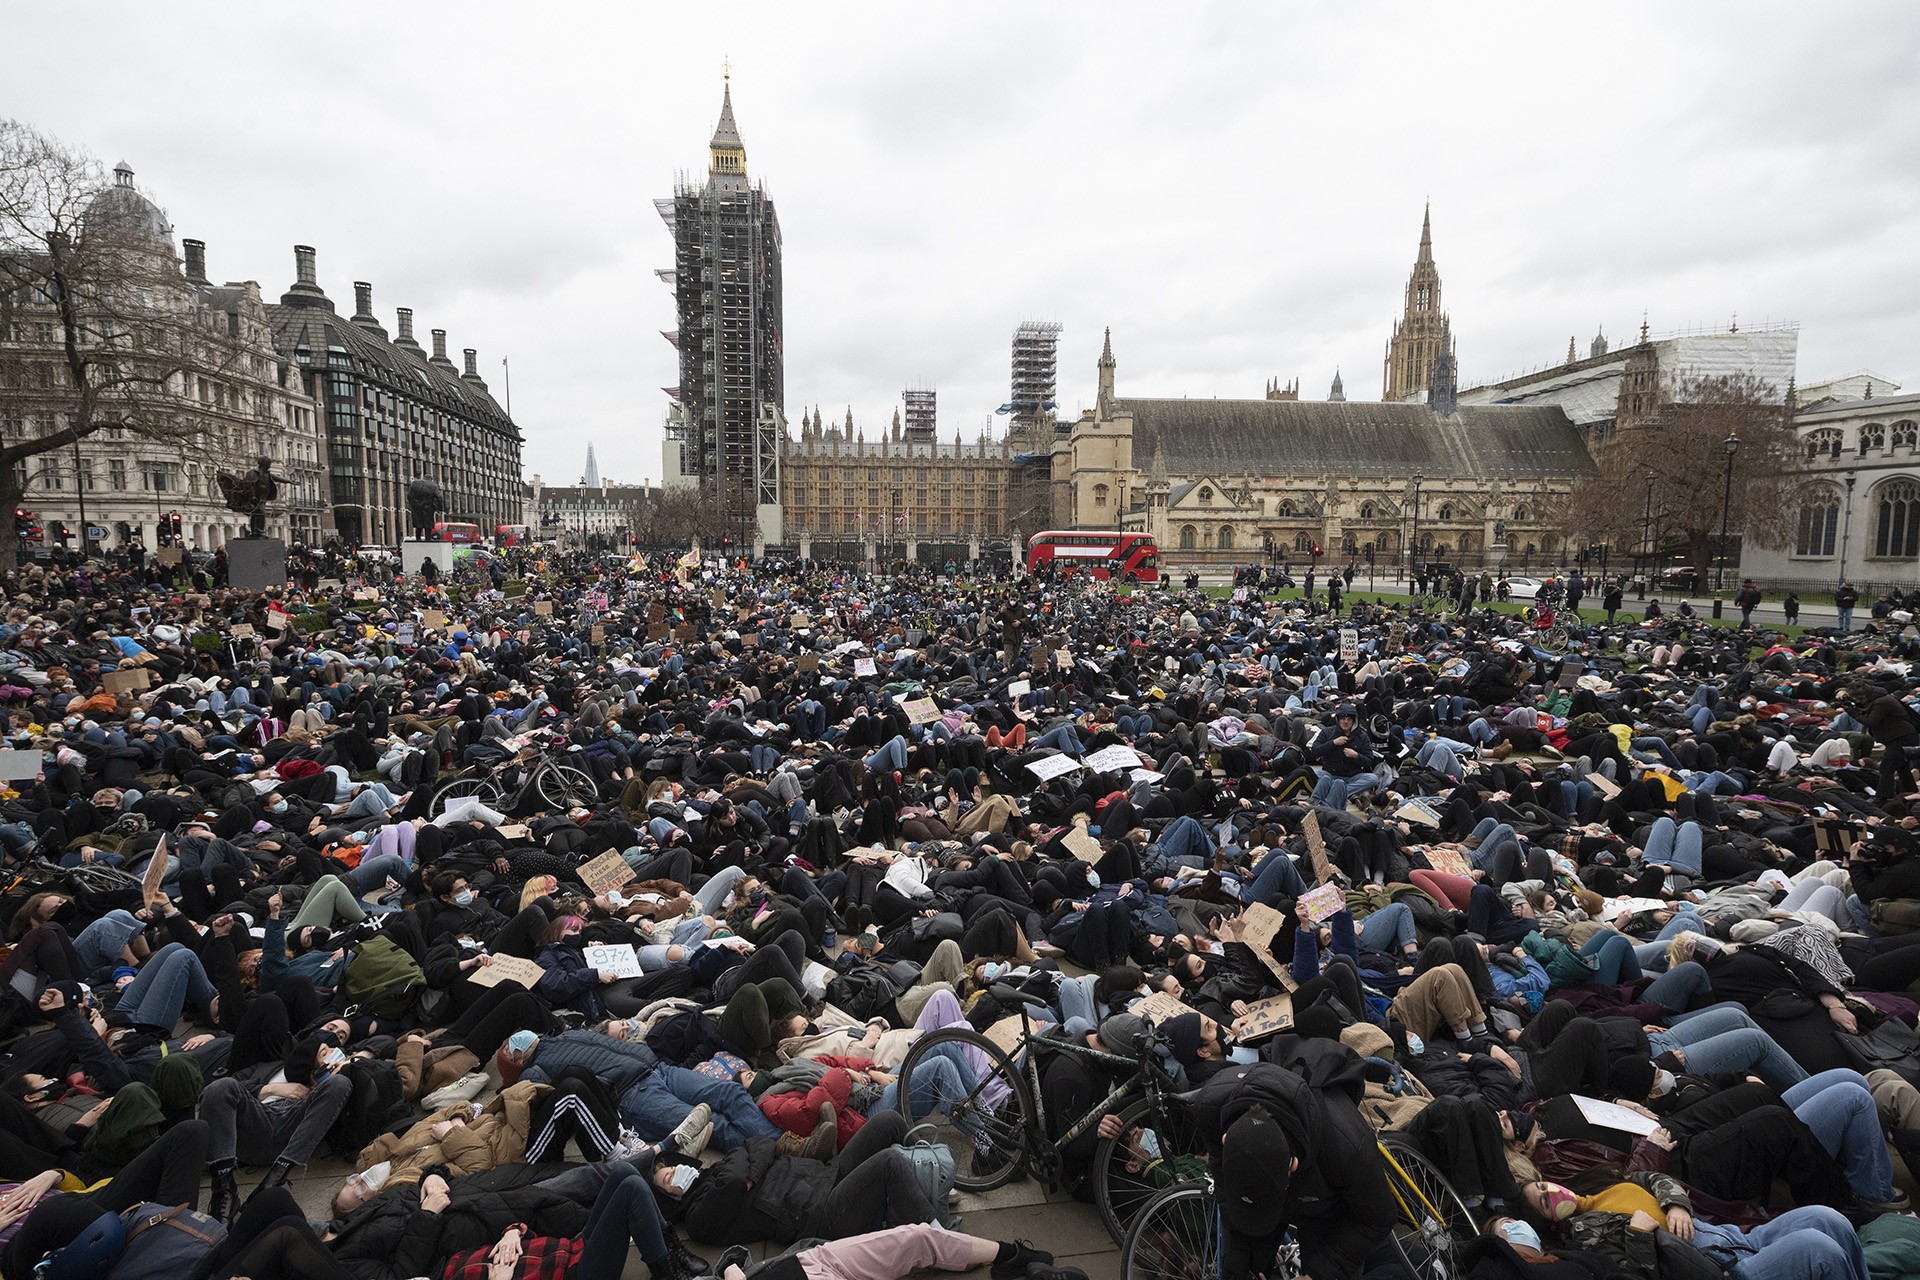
1684	451
680	515
97	328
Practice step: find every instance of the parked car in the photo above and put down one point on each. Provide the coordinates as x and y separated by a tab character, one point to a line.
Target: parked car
1680	577
1522	588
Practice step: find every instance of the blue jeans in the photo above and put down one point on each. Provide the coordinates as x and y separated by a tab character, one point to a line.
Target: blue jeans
1838	1107
890	757
1676	847
1390	929
1653	955
1334	792
1612	956
1276	877
1481	732
1658	748
1439	755
939	1081
171	977
1723	1038
373	872
1809	1243
101	943
661	1101
1185	841
1846	616
1062	738
1679	986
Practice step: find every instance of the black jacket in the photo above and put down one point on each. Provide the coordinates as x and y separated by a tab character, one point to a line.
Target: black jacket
755	1194
1338	1199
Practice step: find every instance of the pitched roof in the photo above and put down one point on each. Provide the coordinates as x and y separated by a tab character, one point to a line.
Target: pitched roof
1356	438
402	367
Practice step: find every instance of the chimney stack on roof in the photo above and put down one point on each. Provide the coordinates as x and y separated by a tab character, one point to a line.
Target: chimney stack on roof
303	266
196	256
440	347
405	339
362	300
473	368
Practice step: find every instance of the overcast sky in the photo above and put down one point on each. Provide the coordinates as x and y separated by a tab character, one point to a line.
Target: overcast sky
1235	189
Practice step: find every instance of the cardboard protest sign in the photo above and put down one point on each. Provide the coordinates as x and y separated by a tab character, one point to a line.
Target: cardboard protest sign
169	556
543	608
1417	812
1158	1007
598	635
150	884
1019	689
433	619
809	662
1264	1018
1319	902
920	710
1051	767
608	871
864	667
621	959
20	766
1448	862
403	634
1606	786
1005	1034
240	631
1317	848
1260	924
126	680
501	969
1349	645
365	594
1081	845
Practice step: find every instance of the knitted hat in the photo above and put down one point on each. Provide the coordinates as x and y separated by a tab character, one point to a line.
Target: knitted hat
1631	1078
1183	1035
1367	1040
1255	1166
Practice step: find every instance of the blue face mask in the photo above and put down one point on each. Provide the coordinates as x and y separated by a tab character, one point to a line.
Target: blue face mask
1521	1233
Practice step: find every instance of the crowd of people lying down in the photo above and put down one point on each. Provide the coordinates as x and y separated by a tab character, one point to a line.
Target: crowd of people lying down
597	919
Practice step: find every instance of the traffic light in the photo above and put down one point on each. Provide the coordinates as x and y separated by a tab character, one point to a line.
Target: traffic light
1316	549
60	532
22	522
173	528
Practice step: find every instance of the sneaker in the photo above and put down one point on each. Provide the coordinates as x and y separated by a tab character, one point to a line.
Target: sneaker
630	1145
683	1133
465	1089
1024	1256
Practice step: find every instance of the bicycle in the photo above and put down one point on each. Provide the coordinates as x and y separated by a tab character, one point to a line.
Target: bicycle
999	1129
1176	1236
559	787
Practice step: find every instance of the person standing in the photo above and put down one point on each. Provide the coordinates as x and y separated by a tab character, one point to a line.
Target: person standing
1748	600
1610	599
1790	607
1576	589
1843	600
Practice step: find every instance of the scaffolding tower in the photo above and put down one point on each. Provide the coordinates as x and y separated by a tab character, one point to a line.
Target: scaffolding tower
920	413
1036	345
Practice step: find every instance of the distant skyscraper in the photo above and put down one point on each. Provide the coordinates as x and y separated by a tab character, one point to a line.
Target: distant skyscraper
1421	333
592	477
727	426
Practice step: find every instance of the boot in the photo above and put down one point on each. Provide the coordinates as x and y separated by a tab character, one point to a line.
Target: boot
276	1177
1907	1143
226	1196
680	1259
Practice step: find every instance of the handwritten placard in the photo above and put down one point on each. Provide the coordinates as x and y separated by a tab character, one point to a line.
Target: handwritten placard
1260	925
1081	845
1264	1018
1610	1115
1158	1007
1419	812
150	884
1317	847
864	667
543	608
240	631
920	710
1448	862
403	634
365	594
608	871
1050	767
1019	688
433	619
1319	902
1114	759
507	969
1349	645
129	680
1005	1034
620	959
1607	787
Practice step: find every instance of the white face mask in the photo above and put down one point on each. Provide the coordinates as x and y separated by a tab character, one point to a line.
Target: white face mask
1663	1084
682	1177
373	1177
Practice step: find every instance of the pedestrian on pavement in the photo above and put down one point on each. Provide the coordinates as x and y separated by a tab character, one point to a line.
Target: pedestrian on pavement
1791	608
1843	600
1748	599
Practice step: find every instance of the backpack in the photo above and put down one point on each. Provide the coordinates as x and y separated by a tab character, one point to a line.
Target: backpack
1892	1046
165	1242
375	1102
382	978
1895	915
865	992
932	1165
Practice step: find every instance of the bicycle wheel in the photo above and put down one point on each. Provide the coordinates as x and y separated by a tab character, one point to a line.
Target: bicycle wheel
1434	1220
986	1127
564	787
458	791
1126	1176
1175	1236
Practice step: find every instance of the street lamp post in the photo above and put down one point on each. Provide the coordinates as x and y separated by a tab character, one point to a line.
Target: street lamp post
1846	531
1646	539
1413	542
1731	445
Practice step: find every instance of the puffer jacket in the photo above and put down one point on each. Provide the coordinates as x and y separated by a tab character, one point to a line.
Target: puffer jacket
497	1136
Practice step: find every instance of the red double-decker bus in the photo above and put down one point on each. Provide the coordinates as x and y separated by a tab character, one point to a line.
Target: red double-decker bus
1116	556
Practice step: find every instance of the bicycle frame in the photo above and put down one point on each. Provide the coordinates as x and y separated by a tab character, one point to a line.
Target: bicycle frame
1144	1079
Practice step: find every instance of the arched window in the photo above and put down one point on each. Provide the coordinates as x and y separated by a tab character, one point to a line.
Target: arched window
1446	511
1824	441
1905	435
1520	513
1286	509
1366	511
1896	526
1189	537
1383	543
1873	436
1546	545
1303	542
1466	542
1206	494
1226	536
1819	518
1099	495
1348	546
